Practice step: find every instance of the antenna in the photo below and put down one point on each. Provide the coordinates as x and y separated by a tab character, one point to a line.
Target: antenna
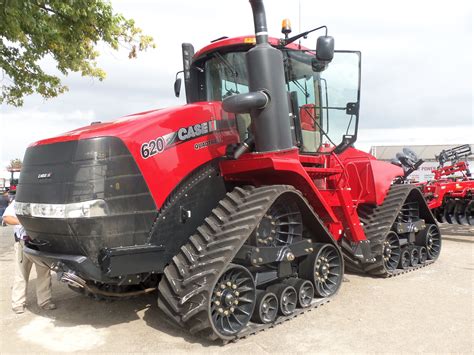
299	21
299	15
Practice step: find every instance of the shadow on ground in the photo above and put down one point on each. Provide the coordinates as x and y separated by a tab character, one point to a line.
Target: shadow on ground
75	309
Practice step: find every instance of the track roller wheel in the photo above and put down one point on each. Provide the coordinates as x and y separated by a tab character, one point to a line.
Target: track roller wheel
287	298
404	259
266	307
469	213
391	251
233	300
324	269
414	256
430	238
305	290
423	255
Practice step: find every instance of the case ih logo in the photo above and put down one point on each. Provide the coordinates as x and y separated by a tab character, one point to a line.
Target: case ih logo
184	134
44	175
195	131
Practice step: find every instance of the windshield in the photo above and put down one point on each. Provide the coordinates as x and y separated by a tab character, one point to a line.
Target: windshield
226	74
328	98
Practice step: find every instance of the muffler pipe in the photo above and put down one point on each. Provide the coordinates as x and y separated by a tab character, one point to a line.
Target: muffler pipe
267	100
260	21
244	147
73	280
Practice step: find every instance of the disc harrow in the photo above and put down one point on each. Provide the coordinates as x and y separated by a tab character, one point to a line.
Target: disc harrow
452	210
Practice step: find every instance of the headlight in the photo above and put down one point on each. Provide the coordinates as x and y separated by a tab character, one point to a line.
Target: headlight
47	210
86	209
22	208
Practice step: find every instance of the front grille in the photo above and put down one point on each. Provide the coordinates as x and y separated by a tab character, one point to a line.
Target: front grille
84	170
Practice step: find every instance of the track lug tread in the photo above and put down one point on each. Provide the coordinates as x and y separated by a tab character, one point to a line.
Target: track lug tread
183	295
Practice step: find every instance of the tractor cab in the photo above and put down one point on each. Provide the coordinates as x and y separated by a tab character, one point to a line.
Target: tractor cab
324	99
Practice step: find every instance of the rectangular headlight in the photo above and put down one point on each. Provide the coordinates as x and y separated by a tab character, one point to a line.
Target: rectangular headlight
86	209
47	210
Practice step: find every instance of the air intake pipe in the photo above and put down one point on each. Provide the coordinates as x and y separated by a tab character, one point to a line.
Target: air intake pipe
270	122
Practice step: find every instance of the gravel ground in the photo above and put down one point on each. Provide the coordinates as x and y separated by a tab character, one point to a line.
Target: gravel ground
430	310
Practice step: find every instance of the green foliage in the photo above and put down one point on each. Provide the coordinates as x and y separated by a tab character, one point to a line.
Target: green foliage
15	164
65	30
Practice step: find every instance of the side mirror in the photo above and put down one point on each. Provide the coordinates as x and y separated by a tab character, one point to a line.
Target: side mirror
325	49
177	87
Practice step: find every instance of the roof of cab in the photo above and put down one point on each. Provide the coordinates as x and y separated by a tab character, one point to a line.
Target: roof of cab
250	40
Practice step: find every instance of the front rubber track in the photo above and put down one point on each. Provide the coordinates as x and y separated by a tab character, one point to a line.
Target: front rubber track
186	286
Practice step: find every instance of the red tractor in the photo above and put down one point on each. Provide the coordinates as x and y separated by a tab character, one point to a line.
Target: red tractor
243	207
451	197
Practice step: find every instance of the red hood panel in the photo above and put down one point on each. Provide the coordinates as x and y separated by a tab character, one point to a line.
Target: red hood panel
128	126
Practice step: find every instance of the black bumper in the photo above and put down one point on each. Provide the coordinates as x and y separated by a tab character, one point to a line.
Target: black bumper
116	264
78	263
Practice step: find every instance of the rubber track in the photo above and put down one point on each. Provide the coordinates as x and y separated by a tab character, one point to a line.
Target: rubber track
187	283
377	222
254	328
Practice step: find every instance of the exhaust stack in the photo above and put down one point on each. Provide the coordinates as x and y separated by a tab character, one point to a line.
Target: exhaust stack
270	123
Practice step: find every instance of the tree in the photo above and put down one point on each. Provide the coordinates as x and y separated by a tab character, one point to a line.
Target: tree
15	164
66	31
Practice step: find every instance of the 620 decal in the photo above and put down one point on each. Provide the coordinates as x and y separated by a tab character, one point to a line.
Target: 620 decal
183	134
152	147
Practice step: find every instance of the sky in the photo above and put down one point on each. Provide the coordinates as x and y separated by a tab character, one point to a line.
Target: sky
417	67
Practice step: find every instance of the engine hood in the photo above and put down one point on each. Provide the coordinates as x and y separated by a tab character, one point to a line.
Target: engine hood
166	145
129	127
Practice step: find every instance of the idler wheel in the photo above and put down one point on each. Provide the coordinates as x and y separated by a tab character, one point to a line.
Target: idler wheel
391	251
266	308
281	225
430	238
233	300
287	298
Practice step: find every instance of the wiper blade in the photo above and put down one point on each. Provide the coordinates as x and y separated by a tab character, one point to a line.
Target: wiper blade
226	63
302	89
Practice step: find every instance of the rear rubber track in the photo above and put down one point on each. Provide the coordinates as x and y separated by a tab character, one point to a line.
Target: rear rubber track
377	222
188	281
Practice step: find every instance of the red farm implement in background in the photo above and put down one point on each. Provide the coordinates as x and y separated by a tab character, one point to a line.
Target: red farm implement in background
242	207
450	194
14	178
